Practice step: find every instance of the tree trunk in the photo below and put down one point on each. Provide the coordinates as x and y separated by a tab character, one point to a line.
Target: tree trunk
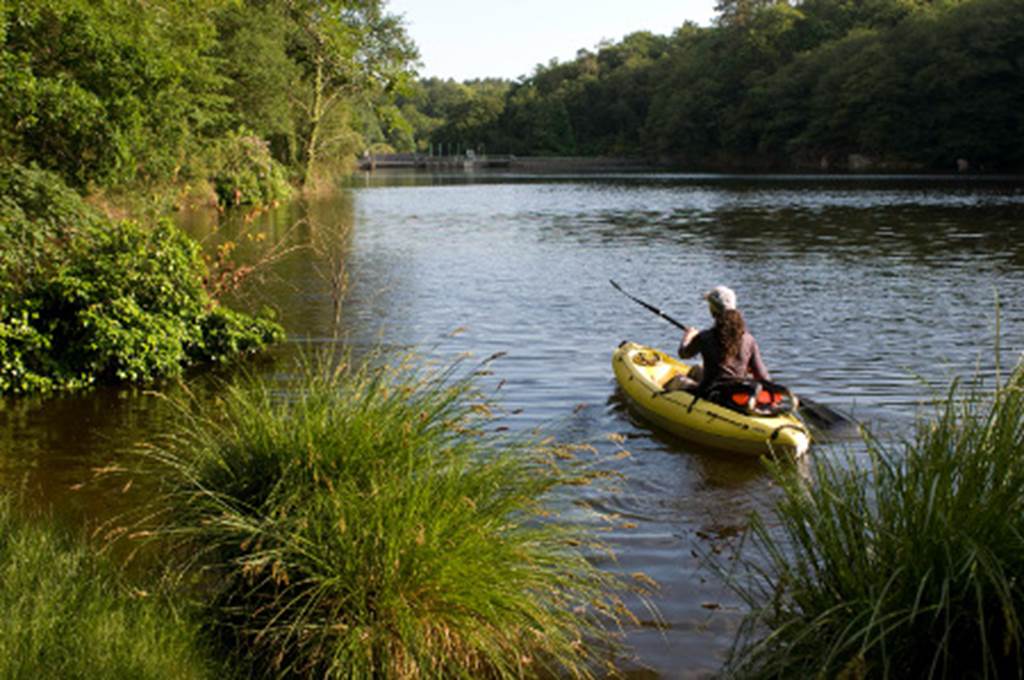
315	115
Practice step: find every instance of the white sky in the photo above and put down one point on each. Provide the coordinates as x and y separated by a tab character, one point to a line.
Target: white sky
464	39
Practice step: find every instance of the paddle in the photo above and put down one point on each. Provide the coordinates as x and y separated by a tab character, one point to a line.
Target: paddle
654	309
824	417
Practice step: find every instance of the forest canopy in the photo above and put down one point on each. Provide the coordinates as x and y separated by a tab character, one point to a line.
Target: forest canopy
254	95
115	92
912	84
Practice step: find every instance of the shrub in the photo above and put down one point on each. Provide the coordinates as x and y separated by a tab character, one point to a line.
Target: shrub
85	300
68	613
366	526
246	172
37	204
909	568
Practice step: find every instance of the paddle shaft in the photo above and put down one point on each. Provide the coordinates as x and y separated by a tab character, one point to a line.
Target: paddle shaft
650	307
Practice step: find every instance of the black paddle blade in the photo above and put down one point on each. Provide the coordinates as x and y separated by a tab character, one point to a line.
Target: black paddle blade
823	417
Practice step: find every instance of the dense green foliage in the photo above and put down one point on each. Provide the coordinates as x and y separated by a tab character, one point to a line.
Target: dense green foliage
114	93
69	613
246	172
445	114
903	83
367	526
909	568
84	299
106	92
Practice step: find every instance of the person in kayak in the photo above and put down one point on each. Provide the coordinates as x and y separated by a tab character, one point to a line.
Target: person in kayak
728	351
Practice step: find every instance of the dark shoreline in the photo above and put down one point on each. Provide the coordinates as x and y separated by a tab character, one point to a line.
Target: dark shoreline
852	165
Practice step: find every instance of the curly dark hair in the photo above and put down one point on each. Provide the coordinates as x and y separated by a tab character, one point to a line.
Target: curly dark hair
729	329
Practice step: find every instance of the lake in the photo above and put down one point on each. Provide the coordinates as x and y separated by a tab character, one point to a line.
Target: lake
867	294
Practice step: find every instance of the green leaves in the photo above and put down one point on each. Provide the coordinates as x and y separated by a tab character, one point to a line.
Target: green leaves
85	300
350	51
112	92
246	172
908	83
104	92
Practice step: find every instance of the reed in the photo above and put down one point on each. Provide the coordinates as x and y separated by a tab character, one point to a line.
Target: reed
908	566
69	613
370	523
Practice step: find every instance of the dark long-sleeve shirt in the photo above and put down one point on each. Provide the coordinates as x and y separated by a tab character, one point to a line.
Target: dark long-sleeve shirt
745	365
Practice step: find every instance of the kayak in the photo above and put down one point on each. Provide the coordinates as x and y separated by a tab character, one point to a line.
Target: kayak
642	371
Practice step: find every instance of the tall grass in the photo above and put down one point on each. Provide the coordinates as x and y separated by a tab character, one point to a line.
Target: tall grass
910	567
366	525
68	613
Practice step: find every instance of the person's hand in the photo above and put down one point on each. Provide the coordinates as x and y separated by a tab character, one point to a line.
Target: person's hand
688	337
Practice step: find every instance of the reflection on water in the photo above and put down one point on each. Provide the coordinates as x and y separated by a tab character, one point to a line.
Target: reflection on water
864	293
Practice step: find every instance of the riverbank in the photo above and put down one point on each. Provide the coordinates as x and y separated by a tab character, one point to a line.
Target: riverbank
824	163
87	300
372	520
471	162
71	611
835	163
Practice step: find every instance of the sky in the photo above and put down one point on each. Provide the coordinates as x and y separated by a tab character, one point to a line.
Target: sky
465	39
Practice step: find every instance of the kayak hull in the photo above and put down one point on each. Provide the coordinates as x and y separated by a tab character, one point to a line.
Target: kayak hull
642	371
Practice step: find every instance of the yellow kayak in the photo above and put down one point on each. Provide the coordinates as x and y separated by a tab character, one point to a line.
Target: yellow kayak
642	371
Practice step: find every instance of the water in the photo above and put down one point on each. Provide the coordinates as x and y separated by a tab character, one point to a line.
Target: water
865	294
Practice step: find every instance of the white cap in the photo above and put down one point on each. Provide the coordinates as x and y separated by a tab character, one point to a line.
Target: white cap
721	297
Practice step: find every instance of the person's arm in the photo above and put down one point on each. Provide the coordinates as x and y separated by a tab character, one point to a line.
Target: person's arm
689	347
756	365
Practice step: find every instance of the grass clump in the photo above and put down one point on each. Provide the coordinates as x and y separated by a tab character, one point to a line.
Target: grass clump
68	613
907	568
366	525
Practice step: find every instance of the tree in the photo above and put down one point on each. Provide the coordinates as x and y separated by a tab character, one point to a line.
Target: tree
107	91
348	49
741	12
262	77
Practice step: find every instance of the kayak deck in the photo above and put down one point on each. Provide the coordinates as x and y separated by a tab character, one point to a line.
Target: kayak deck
643	371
